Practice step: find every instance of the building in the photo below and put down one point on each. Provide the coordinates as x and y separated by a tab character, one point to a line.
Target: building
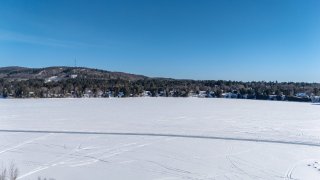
302	95
146	94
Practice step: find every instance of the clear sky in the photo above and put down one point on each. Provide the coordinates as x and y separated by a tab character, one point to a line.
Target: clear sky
198	39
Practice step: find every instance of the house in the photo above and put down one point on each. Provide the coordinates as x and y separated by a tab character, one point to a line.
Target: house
110	93
99	93
161	93
277	97
245	96
120	94
192	94
69	95
31	94
172	93
88	93
302	95
229	95
210	94
202	94
273	97
315	99
283	97
146	94
73	76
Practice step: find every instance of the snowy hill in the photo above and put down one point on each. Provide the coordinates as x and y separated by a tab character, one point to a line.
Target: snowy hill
63	72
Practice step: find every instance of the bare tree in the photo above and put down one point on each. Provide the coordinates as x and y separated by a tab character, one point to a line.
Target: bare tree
3	174
13	172
39	178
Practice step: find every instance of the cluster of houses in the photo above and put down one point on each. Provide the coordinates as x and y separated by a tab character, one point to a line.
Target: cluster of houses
200	94
108	94
315	99
88	93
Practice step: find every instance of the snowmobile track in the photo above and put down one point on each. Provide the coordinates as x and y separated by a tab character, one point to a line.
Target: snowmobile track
302	143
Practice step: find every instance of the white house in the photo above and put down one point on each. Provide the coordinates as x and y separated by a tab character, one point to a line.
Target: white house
192	94
108	94
162	93
273	97
120	94
211	94
146	94
99	93
229	95
73	76
31	94
302	95
88	93
202	94
315	99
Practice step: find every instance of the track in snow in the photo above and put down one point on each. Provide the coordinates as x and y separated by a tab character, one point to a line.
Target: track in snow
302	143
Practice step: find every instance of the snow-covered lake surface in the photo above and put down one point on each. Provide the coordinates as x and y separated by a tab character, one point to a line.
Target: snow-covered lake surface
160	138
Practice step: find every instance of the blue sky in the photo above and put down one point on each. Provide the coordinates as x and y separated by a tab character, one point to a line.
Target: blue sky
215	39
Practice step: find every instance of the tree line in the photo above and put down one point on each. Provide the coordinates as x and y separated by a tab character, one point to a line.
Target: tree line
82	87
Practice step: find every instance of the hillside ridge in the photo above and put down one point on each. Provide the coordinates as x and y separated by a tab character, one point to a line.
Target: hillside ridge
64	72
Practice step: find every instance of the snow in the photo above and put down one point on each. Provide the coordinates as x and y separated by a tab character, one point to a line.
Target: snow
160	138
52	78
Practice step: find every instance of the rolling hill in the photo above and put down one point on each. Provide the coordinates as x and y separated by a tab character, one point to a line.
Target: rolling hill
63	72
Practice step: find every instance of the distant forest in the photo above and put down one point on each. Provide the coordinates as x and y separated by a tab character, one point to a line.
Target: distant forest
158	87
84	82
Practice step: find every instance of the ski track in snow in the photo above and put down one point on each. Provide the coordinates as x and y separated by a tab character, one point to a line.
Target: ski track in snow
48	165
71	159
288	175
24	143
103	154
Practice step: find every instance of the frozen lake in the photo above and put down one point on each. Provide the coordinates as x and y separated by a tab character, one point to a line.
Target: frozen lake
160	138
